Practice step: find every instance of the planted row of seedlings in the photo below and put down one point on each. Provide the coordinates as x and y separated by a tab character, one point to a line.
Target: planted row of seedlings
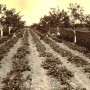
4	39
83	51
15	79
79	62
61	73
40	48
51	65
78	48
6	46
73	46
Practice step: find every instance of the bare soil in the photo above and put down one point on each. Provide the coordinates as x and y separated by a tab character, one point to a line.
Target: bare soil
40	77
6	63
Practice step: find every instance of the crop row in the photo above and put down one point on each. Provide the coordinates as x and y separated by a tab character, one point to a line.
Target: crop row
61	73
50	64
70	57
78	48
79	62
6	46
4	39
71	45
14	79
40	47
7	38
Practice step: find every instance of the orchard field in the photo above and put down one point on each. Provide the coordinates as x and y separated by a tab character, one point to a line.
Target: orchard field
28	62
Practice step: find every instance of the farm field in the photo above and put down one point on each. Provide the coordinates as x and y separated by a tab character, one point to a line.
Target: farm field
28	62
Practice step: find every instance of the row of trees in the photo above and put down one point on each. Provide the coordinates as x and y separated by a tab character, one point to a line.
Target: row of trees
10	20
72	18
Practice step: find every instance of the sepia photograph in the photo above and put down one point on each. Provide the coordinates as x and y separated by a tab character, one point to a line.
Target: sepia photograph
44	44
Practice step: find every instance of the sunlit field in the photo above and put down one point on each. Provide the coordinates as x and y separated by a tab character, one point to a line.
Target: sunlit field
44	46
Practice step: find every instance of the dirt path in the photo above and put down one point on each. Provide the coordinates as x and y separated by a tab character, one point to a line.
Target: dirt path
80	78
74	52
40	81
39	78
6	63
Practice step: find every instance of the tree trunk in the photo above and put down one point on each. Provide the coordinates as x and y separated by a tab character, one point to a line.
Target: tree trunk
75	39
49	32
10	29
1	30
58	33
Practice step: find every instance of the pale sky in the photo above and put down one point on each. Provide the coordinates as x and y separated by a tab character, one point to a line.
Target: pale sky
33	10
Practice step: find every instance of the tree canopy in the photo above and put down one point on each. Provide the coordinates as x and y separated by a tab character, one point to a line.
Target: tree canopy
10	18
73	18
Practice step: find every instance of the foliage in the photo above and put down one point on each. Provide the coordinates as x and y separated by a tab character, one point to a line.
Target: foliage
76	14
73	18
10	18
